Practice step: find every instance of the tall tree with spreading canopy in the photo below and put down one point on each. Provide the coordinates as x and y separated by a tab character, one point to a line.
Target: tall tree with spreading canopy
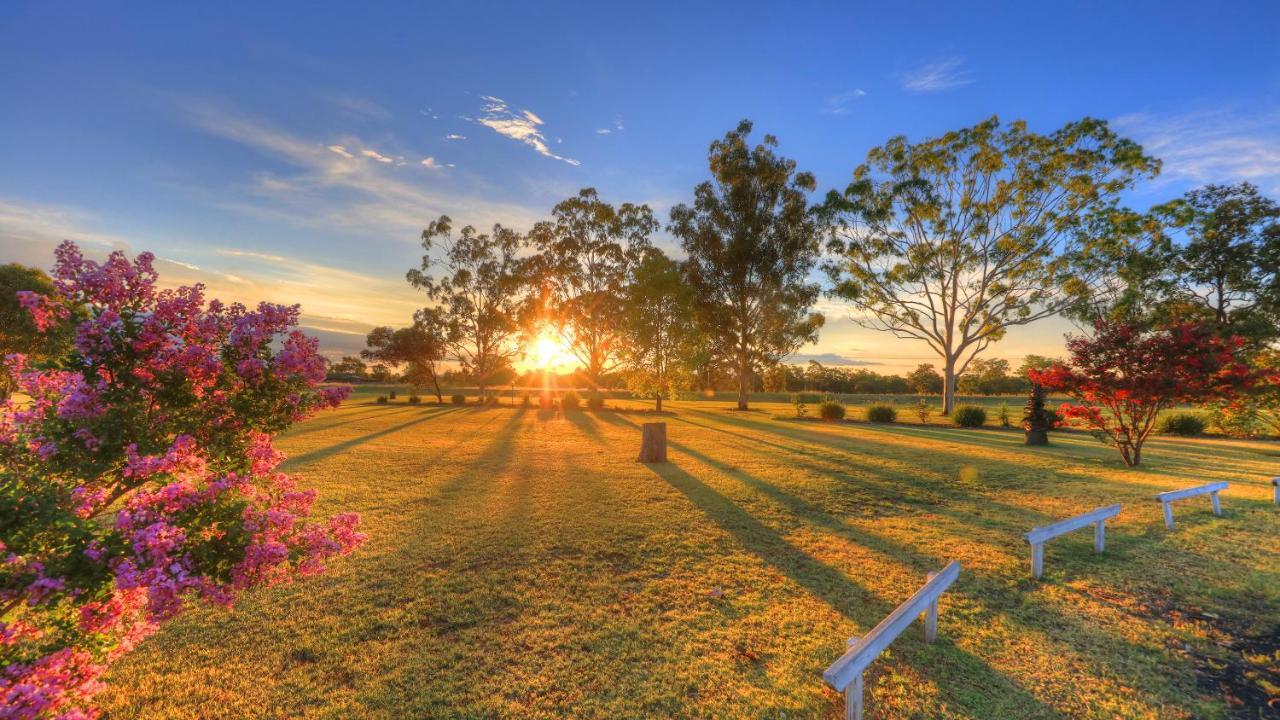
584	256
955	239
657	331
478	287
1228	266
420	348
751	239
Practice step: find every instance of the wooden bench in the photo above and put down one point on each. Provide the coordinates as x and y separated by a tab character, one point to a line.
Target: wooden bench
845	674
1212	489
1039	536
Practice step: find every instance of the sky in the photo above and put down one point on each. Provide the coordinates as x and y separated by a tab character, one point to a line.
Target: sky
293	152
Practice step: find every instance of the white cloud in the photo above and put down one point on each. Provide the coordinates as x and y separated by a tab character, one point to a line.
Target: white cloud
839	103
617	127
603	131
180	263
329	192
941	74
340	150
374	154
455	136
522	127
1212	146
431	163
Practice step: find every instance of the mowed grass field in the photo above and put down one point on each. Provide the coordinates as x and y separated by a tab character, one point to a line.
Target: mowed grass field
521	564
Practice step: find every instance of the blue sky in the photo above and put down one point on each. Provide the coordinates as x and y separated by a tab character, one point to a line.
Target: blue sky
293	152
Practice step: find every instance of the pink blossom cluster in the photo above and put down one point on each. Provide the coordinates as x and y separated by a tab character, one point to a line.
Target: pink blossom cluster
143	469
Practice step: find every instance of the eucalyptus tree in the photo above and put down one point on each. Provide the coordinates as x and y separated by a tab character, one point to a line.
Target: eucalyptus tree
420	348
585	254
1228	263
752	238
953	240
659	332
475	281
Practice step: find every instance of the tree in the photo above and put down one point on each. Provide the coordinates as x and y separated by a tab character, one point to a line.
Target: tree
990	377
585	256
348	369
420	347
18	333
953	240
138	477
924	380
656	313
1229	264
478	291
751	240
1124	376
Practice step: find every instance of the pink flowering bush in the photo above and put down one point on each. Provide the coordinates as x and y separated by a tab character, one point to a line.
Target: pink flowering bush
137	475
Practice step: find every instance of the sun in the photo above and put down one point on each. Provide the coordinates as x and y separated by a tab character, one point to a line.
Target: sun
548	352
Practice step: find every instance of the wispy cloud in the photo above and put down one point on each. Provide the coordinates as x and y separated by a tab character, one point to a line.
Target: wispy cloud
1211	146
338	149
455	136
942	74
374	154
616	127
523	126
334	192
431	164
839	103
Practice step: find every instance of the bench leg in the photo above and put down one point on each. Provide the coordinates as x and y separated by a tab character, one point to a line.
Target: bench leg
1037	560
931	618
1168	515
1099	536
1276	486
1217	505
853	699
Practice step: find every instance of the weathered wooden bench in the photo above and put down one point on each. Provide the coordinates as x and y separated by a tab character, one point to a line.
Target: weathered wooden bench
845	674
1039	536
1167	498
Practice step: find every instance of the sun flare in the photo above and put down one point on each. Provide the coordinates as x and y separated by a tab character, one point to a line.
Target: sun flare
548	352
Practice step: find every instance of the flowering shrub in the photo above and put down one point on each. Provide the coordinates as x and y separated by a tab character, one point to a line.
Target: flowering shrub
138	475
1122	378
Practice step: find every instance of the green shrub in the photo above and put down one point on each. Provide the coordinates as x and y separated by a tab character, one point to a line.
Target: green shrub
414	399
831	410
801	404
392	395
595	401
458	399
1183	423
882	413
526	401
969	416
1004	415
382	399
570	400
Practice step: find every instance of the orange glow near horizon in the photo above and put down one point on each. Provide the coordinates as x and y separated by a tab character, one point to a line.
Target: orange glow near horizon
548	352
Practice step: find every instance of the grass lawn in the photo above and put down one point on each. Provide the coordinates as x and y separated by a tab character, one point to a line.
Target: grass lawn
521	564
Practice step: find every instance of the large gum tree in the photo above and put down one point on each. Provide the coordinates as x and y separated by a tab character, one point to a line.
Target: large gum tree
752	238
955	239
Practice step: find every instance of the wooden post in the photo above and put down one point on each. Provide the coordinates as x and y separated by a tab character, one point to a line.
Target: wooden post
1275	485
1217	506
1037	560
1168	516
931	618
1099	536
853	693
653	442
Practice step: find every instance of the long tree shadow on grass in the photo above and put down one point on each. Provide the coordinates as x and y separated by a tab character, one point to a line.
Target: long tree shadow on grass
339	418
312	456
845	596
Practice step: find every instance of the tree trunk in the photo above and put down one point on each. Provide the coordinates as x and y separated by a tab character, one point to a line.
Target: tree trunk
653	442
657	399
949	387
744	380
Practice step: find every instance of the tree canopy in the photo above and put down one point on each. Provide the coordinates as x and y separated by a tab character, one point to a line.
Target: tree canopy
751	239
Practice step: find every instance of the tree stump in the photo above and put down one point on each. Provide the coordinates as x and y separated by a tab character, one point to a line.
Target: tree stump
653	442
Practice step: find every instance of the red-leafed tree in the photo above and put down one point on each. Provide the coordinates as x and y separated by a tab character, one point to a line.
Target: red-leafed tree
1123	377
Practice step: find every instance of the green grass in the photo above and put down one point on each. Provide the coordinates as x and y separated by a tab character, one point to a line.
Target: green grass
522	564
